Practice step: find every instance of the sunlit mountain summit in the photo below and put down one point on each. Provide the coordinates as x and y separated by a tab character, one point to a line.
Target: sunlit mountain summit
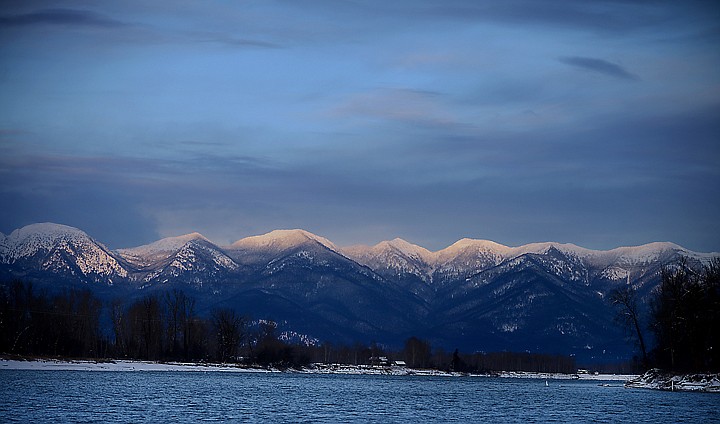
474	294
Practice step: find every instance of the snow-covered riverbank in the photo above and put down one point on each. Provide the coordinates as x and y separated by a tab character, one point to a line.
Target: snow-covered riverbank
659	380
119	365
558	376
125	365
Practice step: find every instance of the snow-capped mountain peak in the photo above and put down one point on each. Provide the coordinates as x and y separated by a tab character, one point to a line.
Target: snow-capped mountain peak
406	248
168	244
280	240
540	294
646	253
61	249
43	231
26	241
468	244
161	250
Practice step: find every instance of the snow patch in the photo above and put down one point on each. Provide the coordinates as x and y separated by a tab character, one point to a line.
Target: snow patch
166	245
280	240
659	380
57	242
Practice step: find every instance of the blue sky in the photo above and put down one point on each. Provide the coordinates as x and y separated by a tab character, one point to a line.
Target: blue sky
594	122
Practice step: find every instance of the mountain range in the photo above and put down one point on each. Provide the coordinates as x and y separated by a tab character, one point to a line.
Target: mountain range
476	295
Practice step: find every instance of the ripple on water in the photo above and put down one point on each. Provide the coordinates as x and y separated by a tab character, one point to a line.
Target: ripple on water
121	397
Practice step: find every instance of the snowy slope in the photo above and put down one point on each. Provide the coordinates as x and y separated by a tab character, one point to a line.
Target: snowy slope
393	258
271	247
538	296
197	262
160	250
280	240
398	245
60	249
64	249
190	259
470	256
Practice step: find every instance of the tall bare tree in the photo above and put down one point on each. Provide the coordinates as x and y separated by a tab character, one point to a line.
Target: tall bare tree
229	331
625	299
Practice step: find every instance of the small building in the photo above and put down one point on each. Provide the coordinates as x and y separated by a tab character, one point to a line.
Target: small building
379	361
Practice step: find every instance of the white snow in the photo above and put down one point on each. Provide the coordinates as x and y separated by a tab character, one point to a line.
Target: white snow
615	273
90	256
397	255
26	241
464	246
411	250
461	260
139	366
119	365
166	245
280	240
658	380
508	327
183	253
558	376
471	255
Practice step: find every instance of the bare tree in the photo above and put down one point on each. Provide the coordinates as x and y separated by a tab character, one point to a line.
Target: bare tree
686	317
229	330
120	327
179	311
625	299
417	352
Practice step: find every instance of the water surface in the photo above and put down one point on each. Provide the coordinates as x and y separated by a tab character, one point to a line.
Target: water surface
125	397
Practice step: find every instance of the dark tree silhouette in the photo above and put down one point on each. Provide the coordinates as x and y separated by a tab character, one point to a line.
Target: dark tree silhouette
456	364
35	323
625	299
151	326
181	323
229	331
686	318
417	353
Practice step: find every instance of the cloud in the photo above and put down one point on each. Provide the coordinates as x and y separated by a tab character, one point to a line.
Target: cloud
416	108
604	16
141	33
599	65
68	17
231	41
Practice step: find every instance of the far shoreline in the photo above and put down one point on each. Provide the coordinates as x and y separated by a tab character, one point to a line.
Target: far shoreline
652	379
123	365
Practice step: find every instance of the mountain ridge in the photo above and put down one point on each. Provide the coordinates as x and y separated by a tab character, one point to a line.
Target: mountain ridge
391	257
475	294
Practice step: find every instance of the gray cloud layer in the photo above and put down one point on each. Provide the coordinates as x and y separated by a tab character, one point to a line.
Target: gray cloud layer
600	66
71	17
364	121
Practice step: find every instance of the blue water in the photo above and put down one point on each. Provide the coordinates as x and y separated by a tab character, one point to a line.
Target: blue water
130	397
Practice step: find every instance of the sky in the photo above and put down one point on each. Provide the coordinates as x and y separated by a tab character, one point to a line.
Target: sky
587	122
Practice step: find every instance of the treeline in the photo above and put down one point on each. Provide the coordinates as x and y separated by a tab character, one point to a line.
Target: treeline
683	317
164	327
418	353
524	361
33	323
167	327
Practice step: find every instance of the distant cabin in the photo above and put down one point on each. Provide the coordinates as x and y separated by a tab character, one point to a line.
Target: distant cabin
379	361
383	361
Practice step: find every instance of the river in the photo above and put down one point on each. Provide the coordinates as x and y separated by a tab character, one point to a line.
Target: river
130	397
